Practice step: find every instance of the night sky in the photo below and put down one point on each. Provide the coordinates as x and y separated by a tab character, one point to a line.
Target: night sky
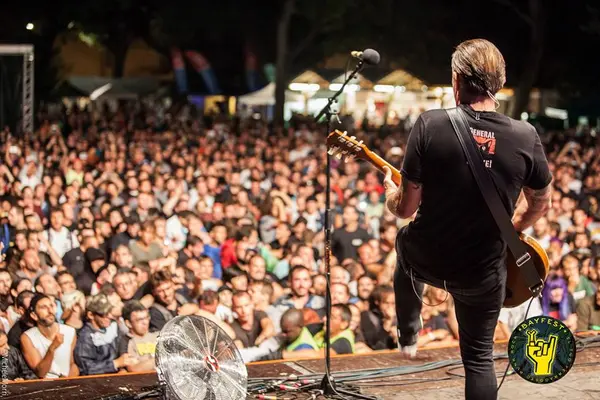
418	36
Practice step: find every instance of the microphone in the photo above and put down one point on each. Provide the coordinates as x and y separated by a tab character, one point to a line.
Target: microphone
368	56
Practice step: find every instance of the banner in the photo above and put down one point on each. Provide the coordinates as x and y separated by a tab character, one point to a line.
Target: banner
203	68
179	70
251	70
270	72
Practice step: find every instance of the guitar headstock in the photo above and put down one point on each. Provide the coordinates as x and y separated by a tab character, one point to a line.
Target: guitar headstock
340	145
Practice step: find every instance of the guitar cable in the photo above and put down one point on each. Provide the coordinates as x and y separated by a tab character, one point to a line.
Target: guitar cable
508	362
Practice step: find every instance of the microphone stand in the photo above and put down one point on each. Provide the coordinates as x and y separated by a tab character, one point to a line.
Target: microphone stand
328	386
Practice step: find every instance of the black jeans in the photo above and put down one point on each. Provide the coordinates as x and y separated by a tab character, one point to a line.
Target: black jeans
477	310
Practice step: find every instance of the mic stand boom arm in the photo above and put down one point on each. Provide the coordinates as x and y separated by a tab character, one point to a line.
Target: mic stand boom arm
327	384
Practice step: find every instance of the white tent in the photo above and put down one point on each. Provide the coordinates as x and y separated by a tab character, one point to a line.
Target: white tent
266	97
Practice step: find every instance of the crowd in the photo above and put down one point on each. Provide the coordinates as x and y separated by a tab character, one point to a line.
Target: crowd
115	223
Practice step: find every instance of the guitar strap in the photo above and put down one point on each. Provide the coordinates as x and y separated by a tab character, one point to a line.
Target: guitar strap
489	190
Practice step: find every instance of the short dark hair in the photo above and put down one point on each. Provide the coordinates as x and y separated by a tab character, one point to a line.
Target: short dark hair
24	295
132	306
233	272
345	311
479	67
56	210
159	277
241	293
380	291
297	268
36	299
192	240
209	297
108	288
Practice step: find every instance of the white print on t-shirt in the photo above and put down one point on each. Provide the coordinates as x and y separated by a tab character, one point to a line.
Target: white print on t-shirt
486	141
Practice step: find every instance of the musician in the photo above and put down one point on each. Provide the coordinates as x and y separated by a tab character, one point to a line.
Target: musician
453	242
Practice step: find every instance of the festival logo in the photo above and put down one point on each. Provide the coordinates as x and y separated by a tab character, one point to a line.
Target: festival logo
541	350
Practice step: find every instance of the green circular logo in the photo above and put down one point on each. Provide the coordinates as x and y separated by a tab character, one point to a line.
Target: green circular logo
541	349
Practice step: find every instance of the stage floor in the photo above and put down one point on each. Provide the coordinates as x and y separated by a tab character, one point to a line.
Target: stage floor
582	382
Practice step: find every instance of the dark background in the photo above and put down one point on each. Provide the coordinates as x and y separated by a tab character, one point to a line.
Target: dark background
546	44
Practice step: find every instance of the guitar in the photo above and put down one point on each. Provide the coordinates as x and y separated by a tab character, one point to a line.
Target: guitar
341	146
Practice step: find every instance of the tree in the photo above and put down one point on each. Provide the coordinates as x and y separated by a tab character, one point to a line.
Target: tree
535	19
301	25
281	64
114	24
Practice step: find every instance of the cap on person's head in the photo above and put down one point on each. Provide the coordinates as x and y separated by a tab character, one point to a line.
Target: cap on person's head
94	254
99	304
68	300
102	269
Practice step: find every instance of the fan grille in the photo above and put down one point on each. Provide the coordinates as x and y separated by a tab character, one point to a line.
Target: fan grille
198	360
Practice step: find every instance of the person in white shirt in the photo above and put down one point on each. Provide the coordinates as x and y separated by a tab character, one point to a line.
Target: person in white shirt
510	318
60	238
31	175
48	347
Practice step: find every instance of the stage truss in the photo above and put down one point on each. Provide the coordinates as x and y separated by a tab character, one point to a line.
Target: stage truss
27	84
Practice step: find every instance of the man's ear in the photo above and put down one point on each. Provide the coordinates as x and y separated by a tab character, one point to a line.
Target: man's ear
34	316
347	325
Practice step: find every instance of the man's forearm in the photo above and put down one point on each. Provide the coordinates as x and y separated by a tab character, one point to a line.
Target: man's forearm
538	203
42	369
393	198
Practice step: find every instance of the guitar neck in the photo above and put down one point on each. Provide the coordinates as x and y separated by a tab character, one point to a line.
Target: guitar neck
379	163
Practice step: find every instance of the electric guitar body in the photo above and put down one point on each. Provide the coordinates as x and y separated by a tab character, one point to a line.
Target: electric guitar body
517	292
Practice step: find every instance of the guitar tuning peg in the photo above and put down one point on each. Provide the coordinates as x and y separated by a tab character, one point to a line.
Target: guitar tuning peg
361	142
330	152
353	137
349	157
339	156
344	133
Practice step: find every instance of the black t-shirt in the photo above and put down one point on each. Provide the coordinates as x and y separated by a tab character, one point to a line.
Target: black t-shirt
454	236
157	319
122	344
375	336
182	258
342	346
345	244
248	338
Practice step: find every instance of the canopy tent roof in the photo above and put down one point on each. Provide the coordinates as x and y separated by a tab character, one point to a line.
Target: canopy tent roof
309	76
400	77
122	88
266	96
366	79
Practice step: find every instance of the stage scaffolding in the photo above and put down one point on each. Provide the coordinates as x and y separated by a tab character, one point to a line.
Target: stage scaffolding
17	87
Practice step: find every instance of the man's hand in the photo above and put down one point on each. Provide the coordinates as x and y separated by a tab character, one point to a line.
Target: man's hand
188	309
57	341
541	353
388	183
126	360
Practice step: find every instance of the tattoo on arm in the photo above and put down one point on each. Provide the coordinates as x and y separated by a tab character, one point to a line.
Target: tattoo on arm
538	202
393	200
537	199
